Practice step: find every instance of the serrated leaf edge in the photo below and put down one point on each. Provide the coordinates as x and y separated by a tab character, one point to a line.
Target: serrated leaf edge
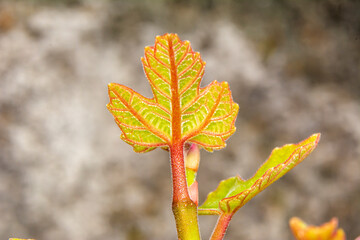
286	163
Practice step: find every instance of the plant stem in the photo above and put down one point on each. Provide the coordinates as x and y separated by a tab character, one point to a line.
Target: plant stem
221	226
184	209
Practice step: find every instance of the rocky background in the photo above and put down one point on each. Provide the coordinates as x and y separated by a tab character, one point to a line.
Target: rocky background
293	67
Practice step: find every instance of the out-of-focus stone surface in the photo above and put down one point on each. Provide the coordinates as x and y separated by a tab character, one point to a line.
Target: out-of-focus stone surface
64	172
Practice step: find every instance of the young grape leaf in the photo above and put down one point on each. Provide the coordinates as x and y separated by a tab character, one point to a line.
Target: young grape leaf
327	231
180	110
233	193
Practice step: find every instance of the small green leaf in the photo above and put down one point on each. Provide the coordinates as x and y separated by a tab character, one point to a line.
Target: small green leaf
233	193
180	111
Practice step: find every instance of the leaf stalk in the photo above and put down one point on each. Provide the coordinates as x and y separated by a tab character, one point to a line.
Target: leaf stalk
221	226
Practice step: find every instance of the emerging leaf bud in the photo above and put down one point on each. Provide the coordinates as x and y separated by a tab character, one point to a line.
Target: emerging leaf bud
192	158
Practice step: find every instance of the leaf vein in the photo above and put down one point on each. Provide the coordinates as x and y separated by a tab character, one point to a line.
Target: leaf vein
141	119
157	73
192	82
191	64
184	56
157	59
207	119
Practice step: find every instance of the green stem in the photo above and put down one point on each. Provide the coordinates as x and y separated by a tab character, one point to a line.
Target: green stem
185	210
221	226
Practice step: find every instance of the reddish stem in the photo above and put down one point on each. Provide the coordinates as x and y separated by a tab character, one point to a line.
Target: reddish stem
221	226
180	189
184	209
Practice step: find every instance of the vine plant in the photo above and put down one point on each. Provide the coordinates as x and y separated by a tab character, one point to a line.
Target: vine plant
181	116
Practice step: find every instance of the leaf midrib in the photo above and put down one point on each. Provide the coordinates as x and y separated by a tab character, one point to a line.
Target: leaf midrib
175	97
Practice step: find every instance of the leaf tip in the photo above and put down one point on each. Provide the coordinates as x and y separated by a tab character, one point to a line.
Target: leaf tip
147	49
225	84
111	85
318	136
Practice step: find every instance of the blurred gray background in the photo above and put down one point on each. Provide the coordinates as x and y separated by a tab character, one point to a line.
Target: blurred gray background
293	67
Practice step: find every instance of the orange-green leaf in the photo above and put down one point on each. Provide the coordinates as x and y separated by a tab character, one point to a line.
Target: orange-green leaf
233	193
327	231
180	110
